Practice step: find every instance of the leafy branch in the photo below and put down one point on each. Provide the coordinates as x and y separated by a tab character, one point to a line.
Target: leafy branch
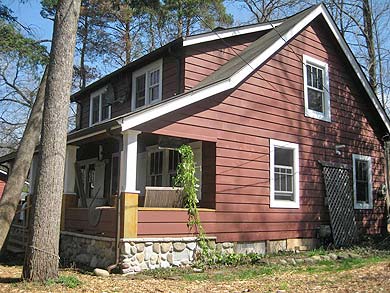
186	179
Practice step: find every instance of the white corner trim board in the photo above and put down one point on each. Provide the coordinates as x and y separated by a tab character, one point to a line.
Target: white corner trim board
215	35
197	95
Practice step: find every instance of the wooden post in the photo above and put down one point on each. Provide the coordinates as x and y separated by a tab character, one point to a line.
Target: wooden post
68	201
129	214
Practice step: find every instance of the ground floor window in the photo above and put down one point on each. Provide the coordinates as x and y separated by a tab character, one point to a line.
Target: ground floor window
362	181
157	167
162	166
284	174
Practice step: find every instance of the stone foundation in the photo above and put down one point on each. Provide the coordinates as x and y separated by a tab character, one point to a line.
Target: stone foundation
92	251
137	254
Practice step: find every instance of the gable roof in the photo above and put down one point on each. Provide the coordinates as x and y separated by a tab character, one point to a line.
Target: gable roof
229	75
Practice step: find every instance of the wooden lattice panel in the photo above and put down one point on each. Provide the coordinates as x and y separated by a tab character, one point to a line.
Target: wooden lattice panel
339	192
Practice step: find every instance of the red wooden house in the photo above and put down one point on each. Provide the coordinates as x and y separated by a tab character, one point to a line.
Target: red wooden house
260	105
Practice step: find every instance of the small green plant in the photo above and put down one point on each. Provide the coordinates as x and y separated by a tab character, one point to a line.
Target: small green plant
318	251
214	258
67	281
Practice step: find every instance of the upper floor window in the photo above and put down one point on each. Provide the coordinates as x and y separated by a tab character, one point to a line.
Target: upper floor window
316	88
100	108
362	182
284	174
147	85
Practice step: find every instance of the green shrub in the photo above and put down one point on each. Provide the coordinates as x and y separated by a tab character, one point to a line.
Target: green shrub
67	281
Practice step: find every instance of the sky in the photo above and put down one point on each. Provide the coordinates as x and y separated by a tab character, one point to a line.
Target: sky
29	14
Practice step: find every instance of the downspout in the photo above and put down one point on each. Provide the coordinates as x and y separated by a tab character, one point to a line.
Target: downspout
386	140
118	210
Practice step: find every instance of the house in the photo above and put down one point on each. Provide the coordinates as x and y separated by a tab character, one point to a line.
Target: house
261	106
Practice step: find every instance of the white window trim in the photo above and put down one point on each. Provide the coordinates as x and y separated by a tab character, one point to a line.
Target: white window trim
307	60
144	70
362	205
278	203
95	94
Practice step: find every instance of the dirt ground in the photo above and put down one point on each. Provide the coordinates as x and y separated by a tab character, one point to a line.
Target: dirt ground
369	278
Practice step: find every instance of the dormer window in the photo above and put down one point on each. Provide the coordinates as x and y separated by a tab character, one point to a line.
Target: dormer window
100	109
147	85
316	88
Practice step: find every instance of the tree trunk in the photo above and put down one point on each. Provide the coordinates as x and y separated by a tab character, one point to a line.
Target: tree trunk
369	37
19	171
41	260
127	42
83	73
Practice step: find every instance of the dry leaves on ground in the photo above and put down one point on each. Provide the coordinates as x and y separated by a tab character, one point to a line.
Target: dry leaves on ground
369	278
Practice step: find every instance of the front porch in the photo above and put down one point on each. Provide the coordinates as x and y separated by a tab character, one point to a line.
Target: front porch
124	181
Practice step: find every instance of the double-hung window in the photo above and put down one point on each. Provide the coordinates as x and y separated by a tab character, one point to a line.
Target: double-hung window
147	85
284	174
100	108
316	88
362	181
162	167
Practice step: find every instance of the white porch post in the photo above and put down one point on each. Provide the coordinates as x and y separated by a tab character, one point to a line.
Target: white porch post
69	198
70	172
128	201
128	169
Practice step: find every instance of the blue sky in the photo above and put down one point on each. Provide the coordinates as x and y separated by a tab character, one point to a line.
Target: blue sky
29	14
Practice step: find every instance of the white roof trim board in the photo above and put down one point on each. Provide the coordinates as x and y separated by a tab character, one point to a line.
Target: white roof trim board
216	35
198	94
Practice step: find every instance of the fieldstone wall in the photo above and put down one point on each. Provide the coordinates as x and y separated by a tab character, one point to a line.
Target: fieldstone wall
92	251
141	254
137	254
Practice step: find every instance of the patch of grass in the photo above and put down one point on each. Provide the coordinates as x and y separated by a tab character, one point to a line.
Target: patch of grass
283	286
339	266
67	281
318	251
252	271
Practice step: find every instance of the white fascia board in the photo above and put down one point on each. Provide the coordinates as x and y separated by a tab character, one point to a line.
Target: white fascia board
227	33
85	136
347	51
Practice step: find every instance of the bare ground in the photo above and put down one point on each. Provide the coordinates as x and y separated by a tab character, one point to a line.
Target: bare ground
368	278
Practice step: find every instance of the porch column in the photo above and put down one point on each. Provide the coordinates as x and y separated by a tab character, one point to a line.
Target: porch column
128	203
69	197
70	171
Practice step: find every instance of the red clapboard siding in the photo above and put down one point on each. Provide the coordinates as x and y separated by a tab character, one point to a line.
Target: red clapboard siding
269	105
203	59
76	219
165	223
